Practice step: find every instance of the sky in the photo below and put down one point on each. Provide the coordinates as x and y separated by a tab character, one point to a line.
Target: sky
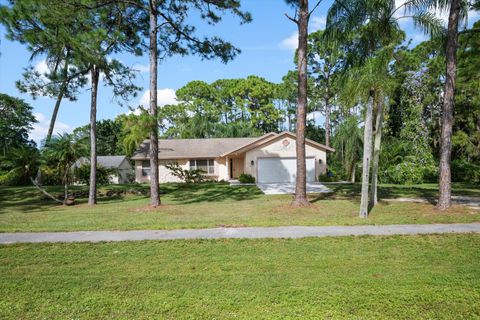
267	44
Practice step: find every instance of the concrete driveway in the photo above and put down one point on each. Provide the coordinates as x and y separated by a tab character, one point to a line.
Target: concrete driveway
289	188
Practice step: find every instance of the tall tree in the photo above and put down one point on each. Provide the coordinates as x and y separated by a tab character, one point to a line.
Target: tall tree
36	24
376	30
173	35
16	120
325	61
107	28
301	18
456	7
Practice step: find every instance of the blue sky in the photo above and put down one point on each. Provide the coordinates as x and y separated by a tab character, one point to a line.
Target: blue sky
267	46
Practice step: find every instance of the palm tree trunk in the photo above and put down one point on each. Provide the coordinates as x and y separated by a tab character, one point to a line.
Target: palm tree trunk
367	154
444	199
353	172
376	152
92	194
301	179
327	121
154	177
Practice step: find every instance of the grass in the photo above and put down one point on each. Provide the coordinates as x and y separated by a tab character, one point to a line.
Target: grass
398	277
216	205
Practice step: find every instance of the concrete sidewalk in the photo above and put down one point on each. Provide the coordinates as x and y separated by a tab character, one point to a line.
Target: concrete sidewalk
239	233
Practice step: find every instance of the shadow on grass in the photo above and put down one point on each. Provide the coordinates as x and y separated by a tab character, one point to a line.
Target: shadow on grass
29	199
209	192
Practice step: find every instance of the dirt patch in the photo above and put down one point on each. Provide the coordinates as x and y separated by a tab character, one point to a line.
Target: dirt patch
289	209
151	209
241	225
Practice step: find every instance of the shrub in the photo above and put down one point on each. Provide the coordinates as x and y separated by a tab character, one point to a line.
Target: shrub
327	178
464	171
246	178
82	174
409	172
188	176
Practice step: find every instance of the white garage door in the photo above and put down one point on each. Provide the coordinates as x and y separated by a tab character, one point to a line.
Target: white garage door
273	170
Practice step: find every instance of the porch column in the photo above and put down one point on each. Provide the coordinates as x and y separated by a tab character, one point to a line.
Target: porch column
227	163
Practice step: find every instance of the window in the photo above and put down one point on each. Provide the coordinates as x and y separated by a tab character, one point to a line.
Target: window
145	168
206	166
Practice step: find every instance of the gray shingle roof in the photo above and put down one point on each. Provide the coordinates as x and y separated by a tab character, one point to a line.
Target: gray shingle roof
103	161
191	148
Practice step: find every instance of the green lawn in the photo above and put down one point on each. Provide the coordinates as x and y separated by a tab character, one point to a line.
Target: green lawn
401	277
216	204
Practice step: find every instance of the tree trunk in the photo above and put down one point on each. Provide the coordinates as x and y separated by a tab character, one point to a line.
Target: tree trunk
327	120
376	152
367	154
53	119
92	194
154	178
301	180
353	172
444	200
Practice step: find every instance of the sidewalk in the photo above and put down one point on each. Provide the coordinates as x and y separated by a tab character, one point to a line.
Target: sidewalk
238	233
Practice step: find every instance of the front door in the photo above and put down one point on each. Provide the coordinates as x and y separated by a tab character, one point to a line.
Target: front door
231	168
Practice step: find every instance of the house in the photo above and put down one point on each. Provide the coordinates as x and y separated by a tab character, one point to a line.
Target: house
270	158
120	164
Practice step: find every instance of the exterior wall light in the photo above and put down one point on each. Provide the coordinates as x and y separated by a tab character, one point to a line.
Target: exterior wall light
252	163
320	161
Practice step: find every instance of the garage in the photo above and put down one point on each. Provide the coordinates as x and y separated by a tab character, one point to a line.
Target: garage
274	170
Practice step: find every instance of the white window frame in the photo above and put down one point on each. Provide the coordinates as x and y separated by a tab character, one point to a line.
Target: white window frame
210	165
145	173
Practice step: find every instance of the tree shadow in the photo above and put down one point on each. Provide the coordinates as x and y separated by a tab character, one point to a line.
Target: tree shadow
211	192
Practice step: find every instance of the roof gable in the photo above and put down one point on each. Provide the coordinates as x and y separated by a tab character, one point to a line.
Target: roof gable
281	135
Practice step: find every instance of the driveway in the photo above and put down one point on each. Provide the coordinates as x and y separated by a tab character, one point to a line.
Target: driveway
289	188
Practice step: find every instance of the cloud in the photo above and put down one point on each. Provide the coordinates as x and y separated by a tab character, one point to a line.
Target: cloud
41	67
419	37
291	42
40	129
318	23
164	96
141	68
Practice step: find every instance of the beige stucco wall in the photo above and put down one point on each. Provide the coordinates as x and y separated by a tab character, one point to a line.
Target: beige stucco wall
278	149
220	170
164	174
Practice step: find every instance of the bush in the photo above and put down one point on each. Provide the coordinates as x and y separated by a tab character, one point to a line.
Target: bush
246	178
327	178
408	172
464	171
82	174
188	176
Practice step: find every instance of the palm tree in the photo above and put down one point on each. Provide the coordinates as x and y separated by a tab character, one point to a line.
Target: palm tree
372	29
65	150
21	163
348	141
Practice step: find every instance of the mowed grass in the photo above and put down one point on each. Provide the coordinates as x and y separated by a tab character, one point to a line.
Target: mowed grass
219	205
397	277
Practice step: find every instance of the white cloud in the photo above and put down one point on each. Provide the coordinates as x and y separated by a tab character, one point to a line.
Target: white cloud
291	42
318	23
40	129
419	37
164	97
141	68
41	67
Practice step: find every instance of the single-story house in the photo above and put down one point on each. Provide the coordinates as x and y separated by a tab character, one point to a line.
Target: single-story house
270	158
120	164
